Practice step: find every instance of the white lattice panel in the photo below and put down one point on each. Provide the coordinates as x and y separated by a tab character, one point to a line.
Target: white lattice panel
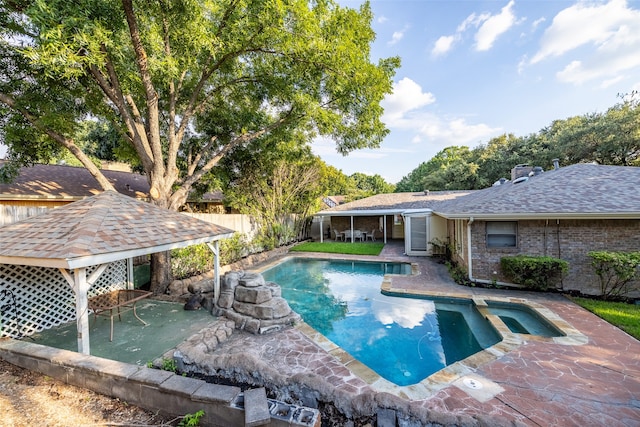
36	298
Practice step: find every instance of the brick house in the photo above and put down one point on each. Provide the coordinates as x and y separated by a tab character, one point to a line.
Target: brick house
564	213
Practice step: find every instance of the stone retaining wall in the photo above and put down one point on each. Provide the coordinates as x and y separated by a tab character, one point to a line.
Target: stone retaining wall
166	392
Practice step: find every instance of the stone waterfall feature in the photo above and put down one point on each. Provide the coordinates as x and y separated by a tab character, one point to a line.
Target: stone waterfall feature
252	304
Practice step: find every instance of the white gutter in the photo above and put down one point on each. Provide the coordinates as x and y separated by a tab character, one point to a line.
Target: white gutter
539	216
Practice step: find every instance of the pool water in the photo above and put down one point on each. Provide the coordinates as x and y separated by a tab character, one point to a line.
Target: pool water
522	320
404	340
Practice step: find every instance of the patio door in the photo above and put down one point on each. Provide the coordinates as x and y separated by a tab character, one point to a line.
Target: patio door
417	234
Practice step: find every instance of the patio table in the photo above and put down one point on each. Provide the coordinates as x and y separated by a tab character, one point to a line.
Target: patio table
121	300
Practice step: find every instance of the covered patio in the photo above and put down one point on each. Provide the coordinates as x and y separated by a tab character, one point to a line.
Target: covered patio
51	264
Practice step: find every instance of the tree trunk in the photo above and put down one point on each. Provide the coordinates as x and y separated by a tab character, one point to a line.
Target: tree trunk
160	272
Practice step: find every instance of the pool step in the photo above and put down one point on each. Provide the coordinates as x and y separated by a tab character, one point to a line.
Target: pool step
256	407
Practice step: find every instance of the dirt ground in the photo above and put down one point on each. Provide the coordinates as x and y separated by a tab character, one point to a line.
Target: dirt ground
32	399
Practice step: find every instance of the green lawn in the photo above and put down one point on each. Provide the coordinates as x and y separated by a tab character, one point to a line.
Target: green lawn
624	316
340	248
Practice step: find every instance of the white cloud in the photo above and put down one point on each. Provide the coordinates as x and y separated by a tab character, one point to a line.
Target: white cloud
443	45
535	24
403	112
604	39
396	37
407	96
490	27
382	19
582	24
495	26
454	131
472	20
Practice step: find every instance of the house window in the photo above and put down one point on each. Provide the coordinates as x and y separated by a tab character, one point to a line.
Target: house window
502	234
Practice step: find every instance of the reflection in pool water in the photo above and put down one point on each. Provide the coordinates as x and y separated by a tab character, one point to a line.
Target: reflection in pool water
403	339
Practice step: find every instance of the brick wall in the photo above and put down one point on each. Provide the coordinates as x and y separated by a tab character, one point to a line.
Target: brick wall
570	240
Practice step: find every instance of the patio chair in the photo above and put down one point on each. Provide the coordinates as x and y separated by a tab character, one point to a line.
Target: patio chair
357	235
339	235
372	235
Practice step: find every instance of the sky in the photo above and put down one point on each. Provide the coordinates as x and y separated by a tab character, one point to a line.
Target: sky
474	70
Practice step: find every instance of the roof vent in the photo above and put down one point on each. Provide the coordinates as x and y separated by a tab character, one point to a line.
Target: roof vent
521	179
536	171
426	192
556	164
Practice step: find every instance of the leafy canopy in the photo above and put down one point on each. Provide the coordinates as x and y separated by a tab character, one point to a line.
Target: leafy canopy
188	81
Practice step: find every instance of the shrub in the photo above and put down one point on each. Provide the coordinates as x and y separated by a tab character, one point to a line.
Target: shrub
616	271
534	272
233	249
458	274
191	261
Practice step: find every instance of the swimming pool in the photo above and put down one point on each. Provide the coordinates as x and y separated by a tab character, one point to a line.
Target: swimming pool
404	340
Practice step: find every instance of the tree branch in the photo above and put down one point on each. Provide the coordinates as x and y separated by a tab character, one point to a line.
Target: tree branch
153	124
62	140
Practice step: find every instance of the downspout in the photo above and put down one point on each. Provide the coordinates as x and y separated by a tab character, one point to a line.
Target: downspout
321	228
469	262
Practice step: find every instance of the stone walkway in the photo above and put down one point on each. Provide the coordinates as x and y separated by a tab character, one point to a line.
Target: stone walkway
529	382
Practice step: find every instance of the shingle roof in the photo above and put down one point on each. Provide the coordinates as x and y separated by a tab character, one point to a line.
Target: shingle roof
101	228
580	190
68	182
399	201
573	191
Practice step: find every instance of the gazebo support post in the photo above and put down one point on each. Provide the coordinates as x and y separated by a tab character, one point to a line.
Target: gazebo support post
82	309
215	248
130	280
80	285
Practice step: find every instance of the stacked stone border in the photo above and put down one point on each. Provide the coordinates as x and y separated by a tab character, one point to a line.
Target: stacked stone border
153	389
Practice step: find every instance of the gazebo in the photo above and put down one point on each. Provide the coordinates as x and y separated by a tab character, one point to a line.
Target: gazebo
51	264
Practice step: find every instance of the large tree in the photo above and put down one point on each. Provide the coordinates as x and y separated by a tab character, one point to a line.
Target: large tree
187	81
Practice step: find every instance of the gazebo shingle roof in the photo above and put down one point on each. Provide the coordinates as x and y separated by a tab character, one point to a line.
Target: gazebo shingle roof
105	227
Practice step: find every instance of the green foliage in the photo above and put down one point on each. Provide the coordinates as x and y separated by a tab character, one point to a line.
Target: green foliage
280	195
169	365
191	261
451	169
458	274
624	316
333	181
191	420
363	185
616	271
534	272
442	248
233	249
340	248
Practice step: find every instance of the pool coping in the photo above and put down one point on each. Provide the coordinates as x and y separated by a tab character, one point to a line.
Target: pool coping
462	373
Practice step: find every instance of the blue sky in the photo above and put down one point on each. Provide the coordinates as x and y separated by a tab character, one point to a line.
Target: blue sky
473	70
